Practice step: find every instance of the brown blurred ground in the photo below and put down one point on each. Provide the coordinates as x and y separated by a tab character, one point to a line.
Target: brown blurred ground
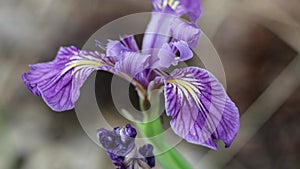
256	41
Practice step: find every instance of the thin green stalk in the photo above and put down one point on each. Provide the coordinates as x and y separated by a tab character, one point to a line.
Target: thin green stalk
170	159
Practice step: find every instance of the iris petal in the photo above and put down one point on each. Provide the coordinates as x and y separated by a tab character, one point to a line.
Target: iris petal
192	8
167	55
115	48
130	43
158	31
163	58
186	31
133	63
185	53
58	82
162	26
200	108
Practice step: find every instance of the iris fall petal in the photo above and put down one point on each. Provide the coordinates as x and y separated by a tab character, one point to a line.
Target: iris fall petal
58	82
201	110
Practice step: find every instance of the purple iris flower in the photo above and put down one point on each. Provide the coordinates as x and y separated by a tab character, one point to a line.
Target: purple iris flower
120	147
201	110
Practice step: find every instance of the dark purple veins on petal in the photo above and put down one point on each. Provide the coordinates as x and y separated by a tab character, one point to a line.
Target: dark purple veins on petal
201	110
58	82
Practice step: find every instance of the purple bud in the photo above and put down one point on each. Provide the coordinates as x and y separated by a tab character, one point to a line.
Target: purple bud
107	138
130	131
119	145
147	151
117	160
120	141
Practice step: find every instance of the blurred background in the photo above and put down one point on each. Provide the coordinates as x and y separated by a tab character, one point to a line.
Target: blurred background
258	42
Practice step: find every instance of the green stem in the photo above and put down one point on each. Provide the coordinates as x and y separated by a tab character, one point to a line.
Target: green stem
170	159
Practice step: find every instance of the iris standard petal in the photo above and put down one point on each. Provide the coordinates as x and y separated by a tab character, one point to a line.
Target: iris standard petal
133	63
165	17
185	31
158	31
58	82
201	110
191	8
115	48
157	4
130	43
172	53
163	58
185	53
